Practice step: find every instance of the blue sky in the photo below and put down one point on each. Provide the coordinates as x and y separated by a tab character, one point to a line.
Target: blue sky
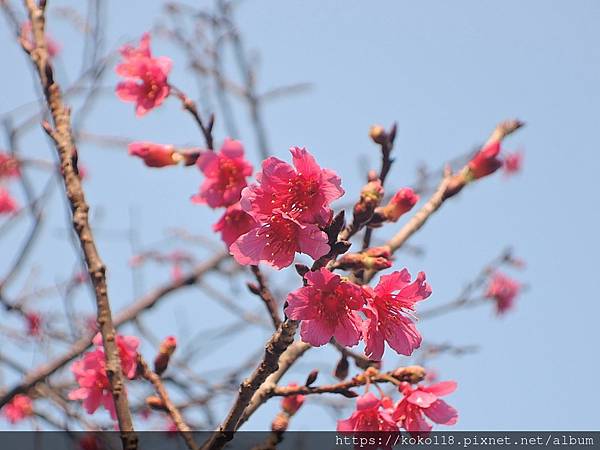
447	72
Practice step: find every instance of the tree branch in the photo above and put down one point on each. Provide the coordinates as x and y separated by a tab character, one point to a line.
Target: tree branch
61	134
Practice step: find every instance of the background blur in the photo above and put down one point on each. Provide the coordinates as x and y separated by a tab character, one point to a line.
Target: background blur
447	72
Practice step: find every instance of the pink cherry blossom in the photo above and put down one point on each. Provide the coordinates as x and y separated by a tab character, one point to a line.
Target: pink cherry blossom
276	239
9	167
503	290
127	346
327	307
370	416
90	374
154	155
233	223
145	77
304	192
486	161
388	311
425	400
18	408
94	387
513	163
226	172
8	204
292	403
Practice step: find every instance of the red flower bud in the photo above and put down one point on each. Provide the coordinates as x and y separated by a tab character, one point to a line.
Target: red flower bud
280	423
486	161
155	155
402	202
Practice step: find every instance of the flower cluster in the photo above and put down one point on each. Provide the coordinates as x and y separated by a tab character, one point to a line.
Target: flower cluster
328	307
289	205
374	414
90	374
145	77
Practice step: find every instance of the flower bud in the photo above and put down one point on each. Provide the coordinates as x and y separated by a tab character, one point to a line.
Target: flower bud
312	377
485	162
410	374
402	202
342	369
377	134
154	402
155	155
370	197
280	423
166	349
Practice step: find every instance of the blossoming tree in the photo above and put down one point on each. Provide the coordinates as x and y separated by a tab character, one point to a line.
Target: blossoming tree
285	218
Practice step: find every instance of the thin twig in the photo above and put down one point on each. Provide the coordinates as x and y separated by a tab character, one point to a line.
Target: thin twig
263	291
176	416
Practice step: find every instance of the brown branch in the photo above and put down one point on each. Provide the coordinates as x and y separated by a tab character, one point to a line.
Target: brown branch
418	220
286	360
263	291
190	106
62	136
128	314
275	347
176	416
386	142
412	374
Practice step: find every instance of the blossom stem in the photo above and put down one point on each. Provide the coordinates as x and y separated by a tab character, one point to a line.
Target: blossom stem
190	106
266	296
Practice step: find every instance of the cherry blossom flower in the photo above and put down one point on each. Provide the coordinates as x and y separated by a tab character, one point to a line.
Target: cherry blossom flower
503	290
90	374
18	408
327	307
303	192
26	34
370	416
145	77
486	161
8	204
425	400
292	403
513	163
276	239
9	167
388	311
94	387
233	223
226	172
402	202
127	346
155	155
